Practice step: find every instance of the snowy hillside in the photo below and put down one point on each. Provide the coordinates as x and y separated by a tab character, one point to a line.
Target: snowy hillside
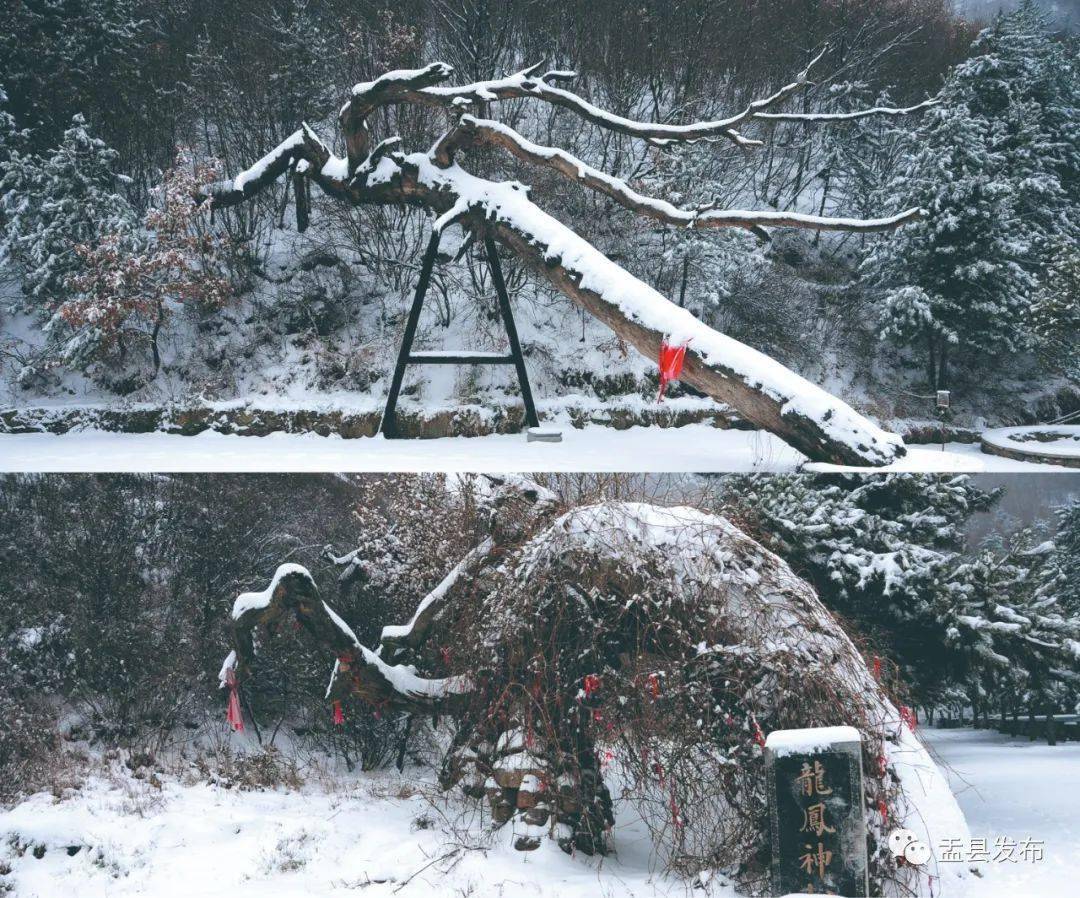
780	218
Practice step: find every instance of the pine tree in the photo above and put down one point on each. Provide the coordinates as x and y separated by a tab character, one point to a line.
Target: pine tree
55	205
1059	581
1055	314
890	556
12	141
992	164
11	137
880	551
1015	637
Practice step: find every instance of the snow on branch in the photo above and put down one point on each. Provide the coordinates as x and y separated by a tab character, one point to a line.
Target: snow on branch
421	87
301	151
843	116
474	130
293	598
396	636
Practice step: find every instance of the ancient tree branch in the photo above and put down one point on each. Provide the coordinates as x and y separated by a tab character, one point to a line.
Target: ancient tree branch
292	599
302	152
472	130
409	87
761	390
399	86
517	505
843	116
396	637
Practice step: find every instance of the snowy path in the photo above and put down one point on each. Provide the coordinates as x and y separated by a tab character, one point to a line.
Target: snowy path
696	447
1014	789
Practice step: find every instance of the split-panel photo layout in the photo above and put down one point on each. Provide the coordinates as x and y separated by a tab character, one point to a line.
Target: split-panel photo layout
491	447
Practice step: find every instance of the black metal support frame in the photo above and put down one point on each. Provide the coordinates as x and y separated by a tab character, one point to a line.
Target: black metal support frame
407	357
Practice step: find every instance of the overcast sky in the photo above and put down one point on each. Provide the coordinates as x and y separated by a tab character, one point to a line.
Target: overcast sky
1065	10
1028	498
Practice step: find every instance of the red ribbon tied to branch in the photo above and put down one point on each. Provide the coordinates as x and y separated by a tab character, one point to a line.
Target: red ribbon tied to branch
233	715
908	716
671	364
591	684
339	716
877	667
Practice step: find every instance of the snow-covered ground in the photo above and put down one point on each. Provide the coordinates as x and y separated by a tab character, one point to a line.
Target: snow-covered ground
1015	789
118	836
693	448
375	833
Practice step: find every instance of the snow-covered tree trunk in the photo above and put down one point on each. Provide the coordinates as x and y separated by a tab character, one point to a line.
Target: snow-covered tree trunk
760	389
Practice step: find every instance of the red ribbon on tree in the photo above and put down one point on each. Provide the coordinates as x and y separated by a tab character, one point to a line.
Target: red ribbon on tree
339	716
877	667
908	716
233	715
654	685
671	364
591	684
882	766
883	809
759	737
676	817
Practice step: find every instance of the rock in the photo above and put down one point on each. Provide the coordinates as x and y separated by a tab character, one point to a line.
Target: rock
526	843
537	816
502	811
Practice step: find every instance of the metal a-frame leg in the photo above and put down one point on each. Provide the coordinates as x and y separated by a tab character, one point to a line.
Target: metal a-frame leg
389	419
406	357
511	332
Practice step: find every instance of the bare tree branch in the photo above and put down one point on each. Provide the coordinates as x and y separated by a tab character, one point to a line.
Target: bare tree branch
472	131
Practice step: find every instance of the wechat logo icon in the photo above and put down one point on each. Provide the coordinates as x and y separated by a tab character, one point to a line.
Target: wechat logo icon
904	845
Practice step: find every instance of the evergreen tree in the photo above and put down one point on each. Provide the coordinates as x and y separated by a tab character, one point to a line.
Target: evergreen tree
993	165
881	552
12	141
1055	315
11	137
889	555
1014	632
57	204
1058	582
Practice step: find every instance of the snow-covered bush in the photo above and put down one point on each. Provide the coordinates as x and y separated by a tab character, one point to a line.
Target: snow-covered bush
28	740
121	294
